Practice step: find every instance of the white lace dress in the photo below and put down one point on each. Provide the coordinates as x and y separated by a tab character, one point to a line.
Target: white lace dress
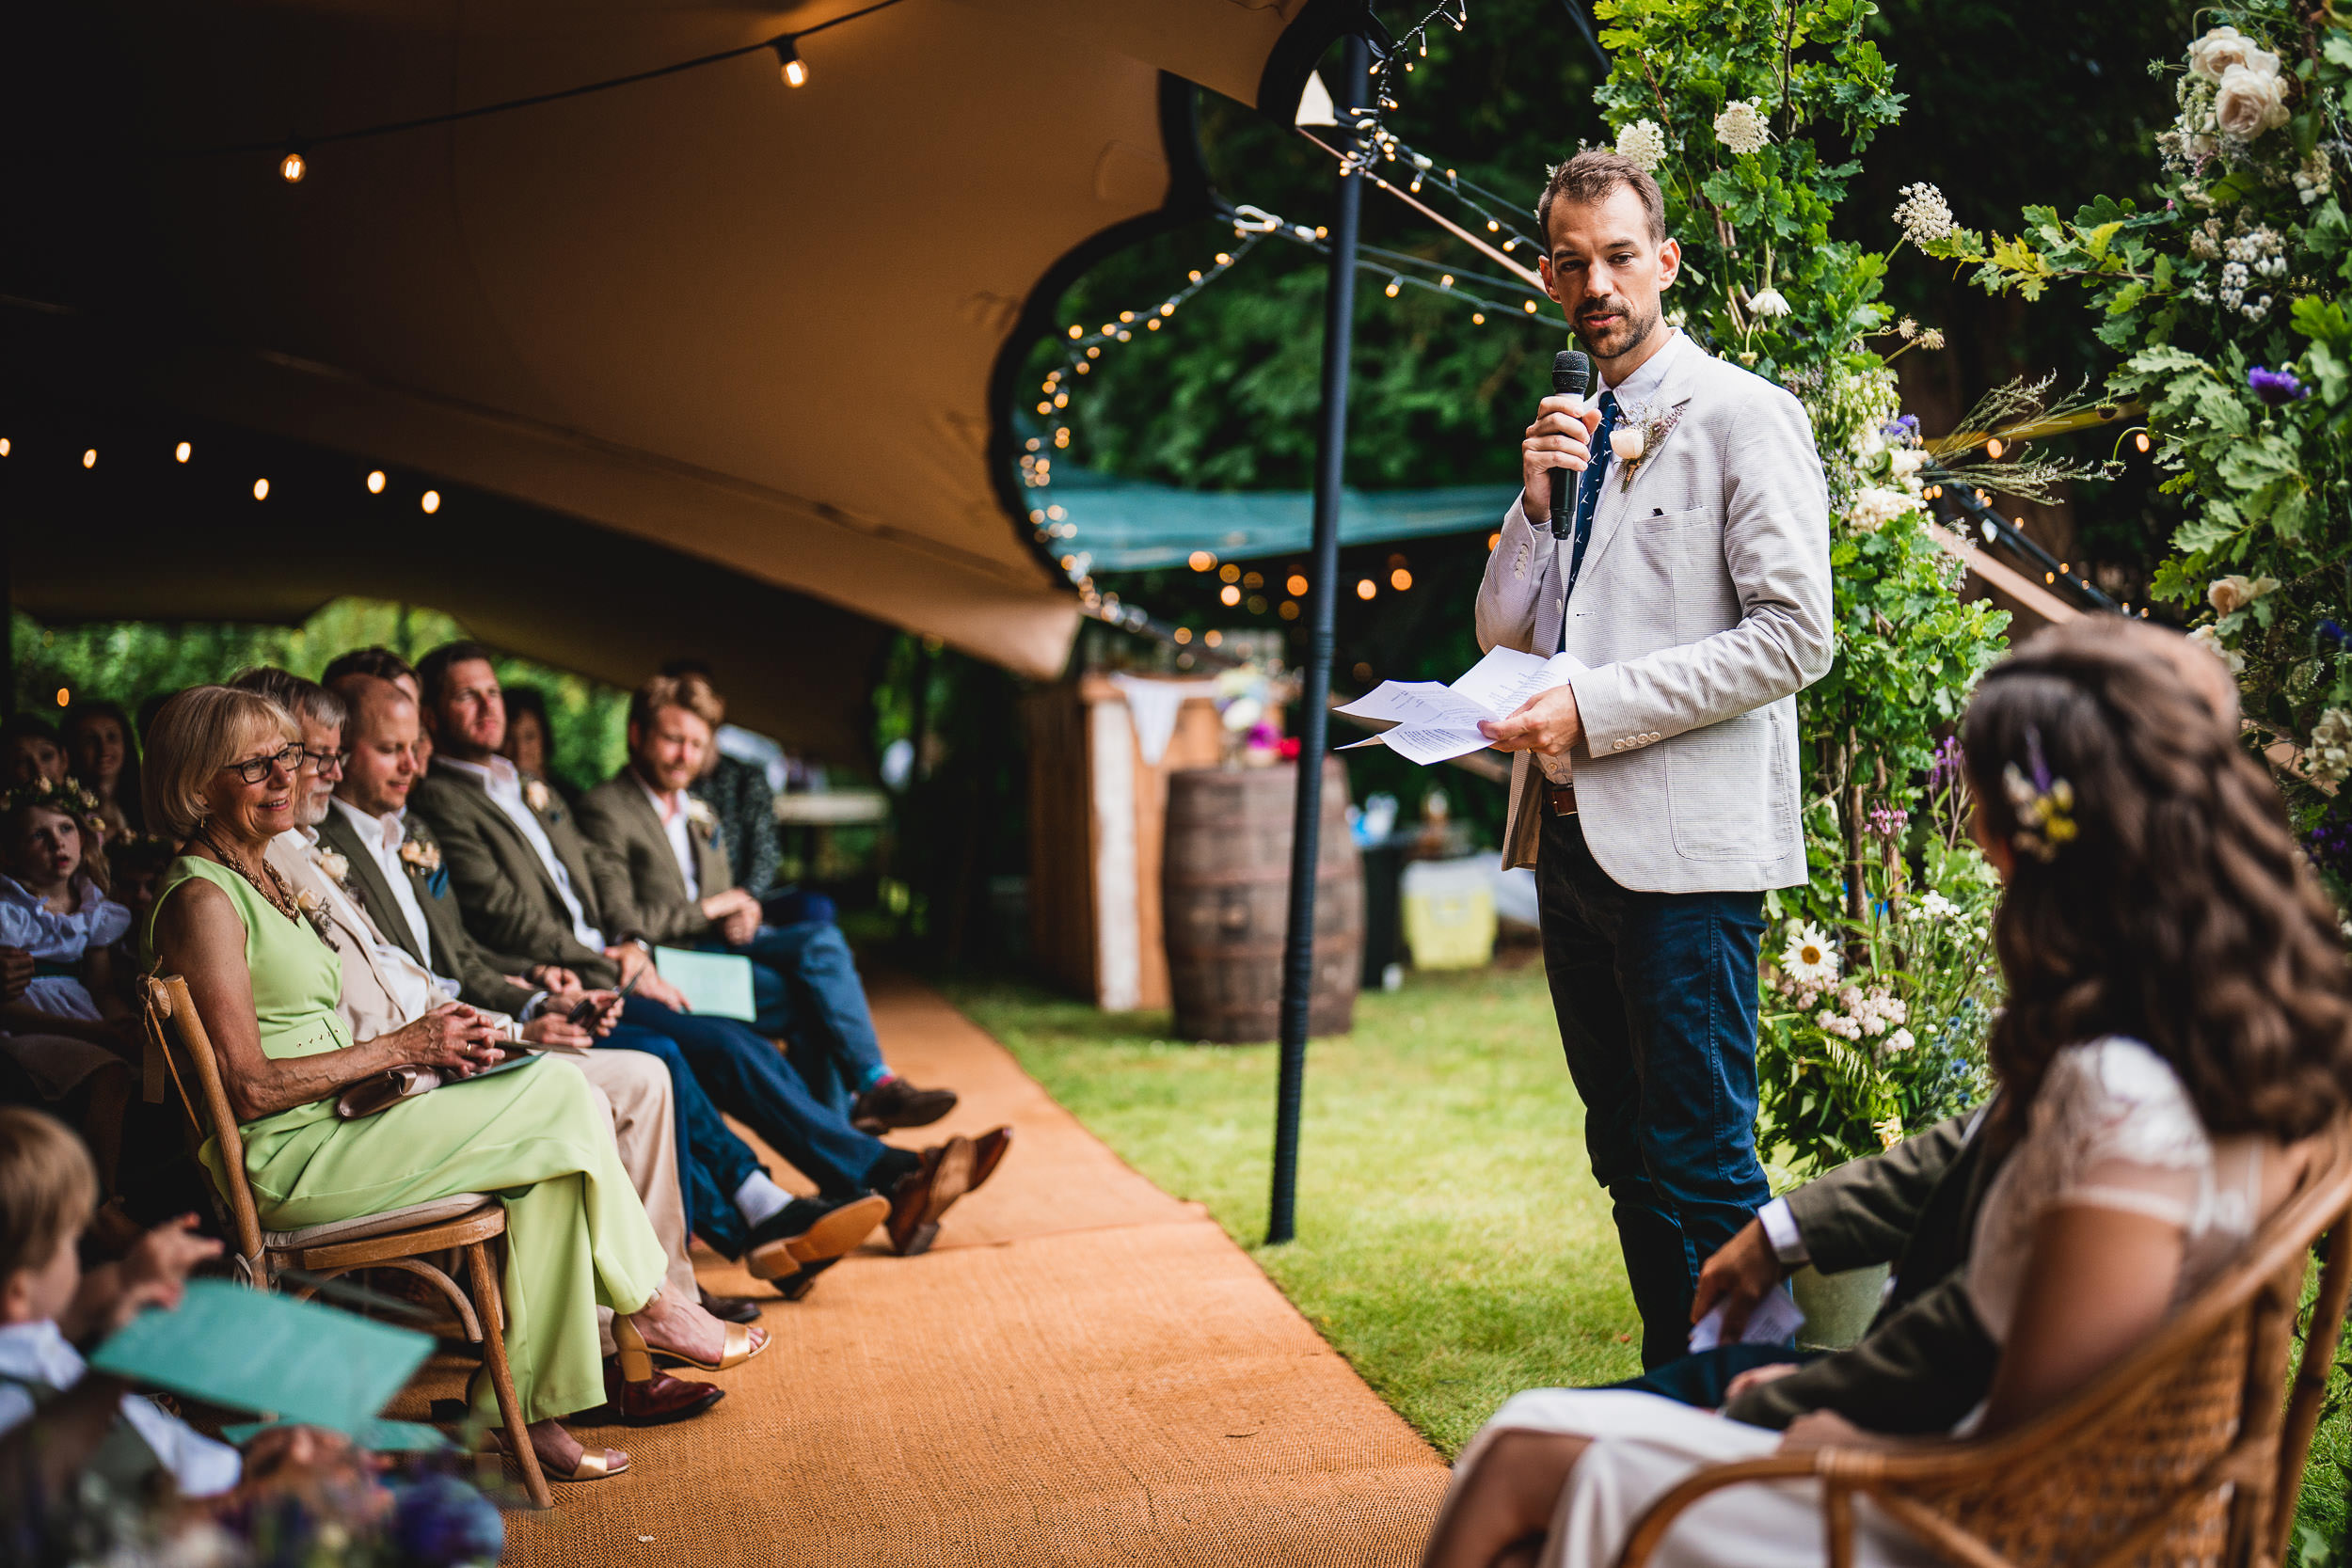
2112	1128
57	1062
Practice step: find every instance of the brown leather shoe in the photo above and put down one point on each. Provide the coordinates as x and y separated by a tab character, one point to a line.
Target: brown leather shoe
896	1102
731	1310
925	1194
988	1152
657	1402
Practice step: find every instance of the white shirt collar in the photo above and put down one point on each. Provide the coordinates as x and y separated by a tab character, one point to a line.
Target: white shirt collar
668	806
386	831
1645	381
498	773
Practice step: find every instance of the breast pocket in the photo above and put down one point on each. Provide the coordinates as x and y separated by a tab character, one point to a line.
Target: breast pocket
1719	797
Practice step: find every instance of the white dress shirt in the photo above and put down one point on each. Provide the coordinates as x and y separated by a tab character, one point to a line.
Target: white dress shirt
383	836
680	830
505	787
37	1353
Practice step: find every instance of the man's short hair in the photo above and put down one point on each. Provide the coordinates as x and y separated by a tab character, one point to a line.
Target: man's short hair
433	668
690	692
381	662
1589	176
196	734
307	701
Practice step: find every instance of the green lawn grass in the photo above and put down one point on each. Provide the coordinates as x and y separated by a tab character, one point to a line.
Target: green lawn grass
1451	1243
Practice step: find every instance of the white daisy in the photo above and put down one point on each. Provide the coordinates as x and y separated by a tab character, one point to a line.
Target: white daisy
1809	959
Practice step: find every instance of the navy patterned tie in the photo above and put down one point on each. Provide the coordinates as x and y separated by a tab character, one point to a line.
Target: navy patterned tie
1588	493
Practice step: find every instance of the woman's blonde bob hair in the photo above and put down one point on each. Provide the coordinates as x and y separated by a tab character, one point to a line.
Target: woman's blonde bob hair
195	735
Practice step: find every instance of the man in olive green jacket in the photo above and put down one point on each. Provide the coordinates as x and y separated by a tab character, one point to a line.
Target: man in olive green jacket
1925	1362
661	872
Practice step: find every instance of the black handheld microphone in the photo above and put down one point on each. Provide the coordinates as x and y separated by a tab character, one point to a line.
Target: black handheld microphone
1572	377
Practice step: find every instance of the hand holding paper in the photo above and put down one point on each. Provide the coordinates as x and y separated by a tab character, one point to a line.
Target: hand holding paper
1775	1318
1435	723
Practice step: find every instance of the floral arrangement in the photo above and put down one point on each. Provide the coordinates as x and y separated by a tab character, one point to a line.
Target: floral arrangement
1713	99
2226	302
1885	1035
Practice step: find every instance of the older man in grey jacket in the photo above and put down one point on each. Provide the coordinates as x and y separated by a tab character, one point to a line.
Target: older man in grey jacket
1658	792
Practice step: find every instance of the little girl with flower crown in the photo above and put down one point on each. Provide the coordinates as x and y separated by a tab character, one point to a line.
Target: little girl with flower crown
69	1038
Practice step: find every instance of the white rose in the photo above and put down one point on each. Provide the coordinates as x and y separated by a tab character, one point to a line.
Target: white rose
2210	639
2236	592
1627	442
1907	461
2213	55
2250	101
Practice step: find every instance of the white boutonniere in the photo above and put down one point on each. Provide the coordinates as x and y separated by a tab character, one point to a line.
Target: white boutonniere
535	795
423	858
314	909
337	867
698	814
1632	441
1635	439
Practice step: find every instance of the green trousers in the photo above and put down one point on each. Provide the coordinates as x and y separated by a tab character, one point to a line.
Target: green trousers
576	1237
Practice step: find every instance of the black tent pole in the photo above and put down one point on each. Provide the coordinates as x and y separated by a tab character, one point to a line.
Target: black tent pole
1298	945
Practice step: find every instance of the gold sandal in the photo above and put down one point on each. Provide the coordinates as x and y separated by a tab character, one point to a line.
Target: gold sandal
637	1355
593	1465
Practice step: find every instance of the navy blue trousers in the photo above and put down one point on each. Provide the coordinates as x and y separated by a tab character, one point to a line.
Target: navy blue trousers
805	985
719	1065
1656	998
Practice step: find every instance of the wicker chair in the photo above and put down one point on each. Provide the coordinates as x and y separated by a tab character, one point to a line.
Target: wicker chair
398	1239
2183	1452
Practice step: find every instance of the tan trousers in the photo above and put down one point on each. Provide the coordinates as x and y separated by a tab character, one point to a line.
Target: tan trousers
635	1089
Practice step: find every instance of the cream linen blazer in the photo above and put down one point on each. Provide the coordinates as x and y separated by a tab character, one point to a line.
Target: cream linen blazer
1702	609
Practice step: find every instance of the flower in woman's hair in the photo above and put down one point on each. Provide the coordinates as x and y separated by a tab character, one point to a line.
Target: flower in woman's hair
2209	638
2276	387
2226	49
2045	804
2250	101
1923	216
1742	128
1642	142
1808	958
1899	1041
1767	304
2236	590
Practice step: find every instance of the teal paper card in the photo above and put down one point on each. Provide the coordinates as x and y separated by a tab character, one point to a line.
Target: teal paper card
376	1435
247	1349
719	984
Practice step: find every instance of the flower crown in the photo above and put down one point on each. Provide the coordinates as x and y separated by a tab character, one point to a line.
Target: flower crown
2045	804
68	798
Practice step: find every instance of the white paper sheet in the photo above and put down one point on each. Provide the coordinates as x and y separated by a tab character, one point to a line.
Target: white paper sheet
1775	1318
1437	722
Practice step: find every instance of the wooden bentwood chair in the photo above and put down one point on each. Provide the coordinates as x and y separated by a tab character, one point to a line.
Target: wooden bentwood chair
2183	1452
396	1239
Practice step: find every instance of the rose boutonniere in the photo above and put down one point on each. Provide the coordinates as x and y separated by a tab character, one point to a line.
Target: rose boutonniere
423	858
1631	442
699	815
312	909
337	867
535	795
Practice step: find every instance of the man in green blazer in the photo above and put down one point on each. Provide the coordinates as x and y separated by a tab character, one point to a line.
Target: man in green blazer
1926	1360
666	874
529	884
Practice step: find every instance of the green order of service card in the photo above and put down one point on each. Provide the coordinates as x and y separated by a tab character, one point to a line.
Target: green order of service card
719	984
249	1350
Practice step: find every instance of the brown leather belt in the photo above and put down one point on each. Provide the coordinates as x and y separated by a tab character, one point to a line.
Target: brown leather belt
1559	800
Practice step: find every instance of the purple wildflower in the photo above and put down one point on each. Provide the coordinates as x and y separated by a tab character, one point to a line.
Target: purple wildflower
1900	426
2276	387
1888	821
1946	768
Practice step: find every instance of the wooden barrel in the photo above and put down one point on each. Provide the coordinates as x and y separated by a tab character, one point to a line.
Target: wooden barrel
1225	892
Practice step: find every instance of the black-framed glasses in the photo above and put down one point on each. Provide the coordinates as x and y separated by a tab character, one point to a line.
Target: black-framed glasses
319	762
254	770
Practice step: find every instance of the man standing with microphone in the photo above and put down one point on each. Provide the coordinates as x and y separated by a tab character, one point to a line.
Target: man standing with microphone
1658	792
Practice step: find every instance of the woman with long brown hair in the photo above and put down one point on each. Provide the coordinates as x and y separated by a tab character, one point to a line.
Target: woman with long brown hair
2179	1023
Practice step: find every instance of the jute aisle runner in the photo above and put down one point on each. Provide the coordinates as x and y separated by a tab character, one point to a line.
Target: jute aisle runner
1084	1371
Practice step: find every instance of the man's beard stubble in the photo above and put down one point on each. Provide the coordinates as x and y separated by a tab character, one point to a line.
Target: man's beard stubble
1631	332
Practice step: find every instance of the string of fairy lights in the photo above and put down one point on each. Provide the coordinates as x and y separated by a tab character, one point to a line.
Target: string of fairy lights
294	152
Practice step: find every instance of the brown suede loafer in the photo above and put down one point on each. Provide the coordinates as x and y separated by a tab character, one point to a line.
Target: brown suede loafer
895	1102
988	1152
925	1194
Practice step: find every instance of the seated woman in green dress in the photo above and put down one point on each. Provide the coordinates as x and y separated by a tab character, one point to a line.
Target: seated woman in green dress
220	773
